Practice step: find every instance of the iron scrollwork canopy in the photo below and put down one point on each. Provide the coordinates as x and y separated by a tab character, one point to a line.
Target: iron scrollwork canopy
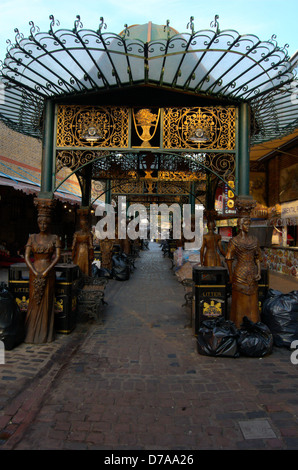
212	62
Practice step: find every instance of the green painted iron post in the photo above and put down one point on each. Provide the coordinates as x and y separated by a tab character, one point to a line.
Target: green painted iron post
47	183
192	198
108	194
86	174
243	157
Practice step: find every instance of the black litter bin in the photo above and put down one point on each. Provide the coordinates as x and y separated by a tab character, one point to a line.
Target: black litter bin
18	283
97	253
66	291
172	247
210	293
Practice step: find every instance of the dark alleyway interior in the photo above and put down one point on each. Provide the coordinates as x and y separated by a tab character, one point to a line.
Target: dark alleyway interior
136	381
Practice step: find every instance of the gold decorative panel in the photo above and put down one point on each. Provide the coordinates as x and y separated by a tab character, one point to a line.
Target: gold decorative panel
145	123
199	128
74	159
150	186
180	176
92	126
173	188
127	187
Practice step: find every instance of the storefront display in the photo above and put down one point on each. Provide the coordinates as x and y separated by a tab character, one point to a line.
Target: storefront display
283	260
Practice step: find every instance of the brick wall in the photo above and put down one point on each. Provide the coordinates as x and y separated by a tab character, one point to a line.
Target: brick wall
19	147
20	157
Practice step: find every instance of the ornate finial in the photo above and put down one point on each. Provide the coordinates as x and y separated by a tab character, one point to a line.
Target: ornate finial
19	36
10	45
33	29
167	28
191	25
101	25
215	24
52	24
284	49
126	32
273	40
77	24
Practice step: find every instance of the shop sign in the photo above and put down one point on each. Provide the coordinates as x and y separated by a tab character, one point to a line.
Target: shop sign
227	223
259	223
230	198
289	209
260	212
219	204
280	222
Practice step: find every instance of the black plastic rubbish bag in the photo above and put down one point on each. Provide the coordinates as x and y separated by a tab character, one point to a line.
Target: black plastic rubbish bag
120	269
280	314
104	272
12	320
100	272
218	337
94	270
255	339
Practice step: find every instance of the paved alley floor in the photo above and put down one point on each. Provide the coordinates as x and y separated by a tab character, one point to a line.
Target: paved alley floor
137	382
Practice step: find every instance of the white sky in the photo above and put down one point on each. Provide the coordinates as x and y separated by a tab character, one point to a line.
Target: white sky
260	17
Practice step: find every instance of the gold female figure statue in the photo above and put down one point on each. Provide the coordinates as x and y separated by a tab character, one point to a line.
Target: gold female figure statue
244	277
210	246
46	250
82	247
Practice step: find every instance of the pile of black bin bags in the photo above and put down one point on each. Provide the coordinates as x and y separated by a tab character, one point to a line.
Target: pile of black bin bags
12	320
120	268
280	314
221	338
278	327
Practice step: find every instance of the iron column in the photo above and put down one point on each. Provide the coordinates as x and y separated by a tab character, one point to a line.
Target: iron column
243	160
192	198
47	183
108	194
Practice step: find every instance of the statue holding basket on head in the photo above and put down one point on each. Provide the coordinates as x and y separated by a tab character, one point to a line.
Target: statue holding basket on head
46	249
82	246
211	246
245	250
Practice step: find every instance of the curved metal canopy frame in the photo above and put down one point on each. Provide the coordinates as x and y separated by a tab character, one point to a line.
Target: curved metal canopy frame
216	63
125	180
221	167
196	166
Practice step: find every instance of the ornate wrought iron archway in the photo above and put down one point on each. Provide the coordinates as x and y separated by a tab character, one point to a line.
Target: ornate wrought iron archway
152	176
151	147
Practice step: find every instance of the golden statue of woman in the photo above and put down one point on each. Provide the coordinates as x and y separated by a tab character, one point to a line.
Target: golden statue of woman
82	245
211	247
46	249
245	250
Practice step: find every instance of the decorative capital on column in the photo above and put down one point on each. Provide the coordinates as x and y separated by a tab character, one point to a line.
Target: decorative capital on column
45	207
83	211
244	206
210	215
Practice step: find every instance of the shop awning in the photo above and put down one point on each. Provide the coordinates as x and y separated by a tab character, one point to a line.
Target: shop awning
28	188
211	63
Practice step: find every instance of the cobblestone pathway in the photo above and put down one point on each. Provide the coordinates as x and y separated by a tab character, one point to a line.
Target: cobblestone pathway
137	382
